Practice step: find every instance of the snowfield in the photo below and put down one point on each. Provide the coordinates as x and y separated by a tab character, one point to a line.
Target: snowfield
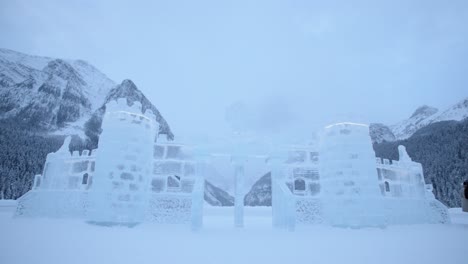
73	241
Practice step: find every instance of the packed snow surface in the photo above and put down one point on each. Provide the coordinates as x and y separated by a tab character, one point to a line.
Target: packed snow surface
73	241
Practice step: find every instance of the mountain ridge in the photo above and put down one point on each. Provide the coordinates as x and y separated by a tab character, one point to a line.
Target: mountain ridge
42	99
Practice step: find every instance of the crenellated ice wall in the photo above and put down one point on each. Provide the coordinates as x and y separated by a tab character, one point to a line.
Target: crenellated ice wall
130	179
120	192
353	188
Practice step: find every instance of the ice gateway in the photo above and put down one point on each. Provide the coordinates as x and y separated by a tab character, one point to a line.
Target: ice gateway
132	178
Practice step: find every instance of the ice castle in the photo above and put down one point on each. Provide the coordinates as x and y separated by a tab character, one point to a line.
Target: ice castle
130	178
344	184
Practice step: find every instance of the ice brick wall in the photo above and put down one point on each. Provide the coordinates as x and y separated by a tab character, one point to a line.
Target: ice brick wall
123	167
348	176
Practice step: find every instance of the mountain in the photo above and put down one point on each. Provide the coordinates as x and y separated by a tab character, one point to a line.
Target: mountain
441	148
127	89
380	133
426	115
456	112
260	193
216	196
48	94
420	118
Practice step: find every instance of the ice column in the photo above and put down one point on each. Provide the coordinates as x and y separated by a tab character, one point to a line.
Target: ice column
283	203
198	197
239	192
123	165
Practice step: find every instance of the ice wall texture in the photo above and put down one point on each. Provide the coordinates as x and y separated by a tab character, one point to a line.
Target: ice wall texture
62	190
130	179
348	176
353	188
402	178
120	193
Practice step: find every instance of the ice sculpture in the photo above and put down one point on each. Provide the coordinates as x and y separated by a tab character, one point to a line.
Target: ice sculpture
124	164
131	178
351	187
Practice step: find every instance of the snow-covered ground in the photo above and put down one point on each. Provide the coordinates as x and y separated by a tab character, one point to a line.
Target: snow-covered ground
73	241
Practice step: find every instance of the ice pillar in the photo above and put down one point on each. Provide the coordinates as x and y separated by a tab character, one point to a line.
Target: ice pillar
197	198
283	206
239	194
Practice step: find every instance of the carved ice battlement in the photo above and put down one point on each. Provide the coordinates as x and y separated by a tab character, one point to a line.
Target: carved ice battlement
120	183
352	186
65	170
121	111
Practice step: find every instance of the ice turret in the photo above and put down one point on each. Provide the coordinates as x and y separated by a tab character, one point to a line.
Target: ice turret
348	176
124	164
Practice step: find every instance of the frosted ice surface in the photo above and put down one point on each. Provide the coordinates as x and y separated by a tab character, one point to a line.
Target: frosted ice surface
348	176
346	185
129	179
124	165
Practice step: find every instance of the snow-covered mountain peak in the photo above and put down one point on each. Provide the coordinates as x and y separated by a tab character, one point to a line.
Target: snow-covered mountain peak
64	70
457	112
49	93
35	62
417	120
424	112
128	85
426	115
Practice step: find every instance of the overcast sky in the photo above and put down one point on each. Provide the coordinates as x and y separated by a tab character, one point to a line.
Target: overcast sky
284	66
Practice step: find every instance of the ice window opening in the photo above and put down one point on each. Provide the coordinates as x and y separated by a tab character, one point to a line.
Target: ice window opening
387	187
85	179
299	185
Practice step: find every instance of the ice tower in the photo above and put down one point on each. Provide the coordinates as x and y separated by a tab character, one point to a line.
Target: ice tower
348	176
123	166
